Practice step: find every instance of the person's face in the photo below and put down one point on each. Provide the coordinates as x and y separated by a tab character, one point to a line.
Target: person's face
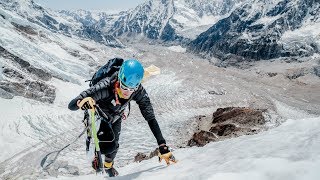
126	91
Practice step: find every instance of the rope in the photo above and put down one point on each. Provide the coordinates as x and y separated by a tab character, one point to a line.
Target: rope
59	151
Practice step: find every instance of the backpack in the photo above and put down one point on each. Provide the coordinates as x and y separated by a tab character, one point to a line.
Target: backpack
107	70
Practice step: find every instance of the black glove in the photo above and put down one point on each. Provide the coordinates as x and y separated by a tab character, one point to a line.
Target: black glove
163	149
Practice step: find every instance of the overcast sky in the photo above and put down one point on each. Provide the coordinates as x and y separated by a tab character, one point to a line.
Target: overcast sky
90	4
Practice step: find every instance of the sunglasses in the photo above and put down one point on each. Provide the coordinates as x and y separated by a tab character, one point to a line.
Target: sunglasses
126	88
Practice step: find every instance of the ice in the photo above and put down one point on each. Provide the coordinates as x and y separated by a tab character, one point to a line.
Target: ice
305	36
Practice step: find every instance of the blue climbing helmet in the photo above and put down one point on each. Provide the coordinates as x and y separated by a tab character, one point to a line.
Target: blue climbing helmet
131	73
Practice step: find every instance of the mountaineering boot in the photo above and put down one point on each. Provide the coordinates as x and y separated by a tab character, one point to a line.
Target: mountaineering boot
110	170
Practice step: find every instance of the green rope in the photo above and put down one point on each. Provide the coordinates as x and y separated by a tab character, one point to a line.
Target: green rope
94	131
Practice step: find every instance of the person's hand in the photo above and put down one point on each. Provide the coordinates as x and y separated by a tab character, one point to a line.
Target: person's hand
166	154
86	103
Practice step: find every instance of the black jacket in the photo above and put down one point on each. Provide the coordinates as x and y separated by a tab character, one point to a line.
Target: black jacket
103	94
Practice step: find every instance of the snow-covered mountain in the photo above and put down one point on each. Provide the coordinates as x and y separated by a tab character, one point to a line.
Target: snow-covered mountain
34	49
262	29
253	29
54	22
171	20
100	19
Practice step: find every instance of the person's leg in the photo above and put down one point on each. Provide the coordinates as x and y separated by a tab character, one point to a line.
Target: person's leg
108	135
110	149
109	138
116	130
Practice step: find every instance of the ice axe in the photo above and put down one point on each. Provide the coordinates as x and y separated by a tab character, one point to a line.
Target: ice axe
94	131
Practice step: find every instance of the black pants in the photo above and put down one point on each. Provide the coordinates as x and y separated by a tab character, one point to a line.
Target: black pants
110	133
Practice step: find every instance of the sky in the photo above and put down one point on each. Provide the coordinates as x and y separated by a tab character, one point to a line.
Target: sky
90	4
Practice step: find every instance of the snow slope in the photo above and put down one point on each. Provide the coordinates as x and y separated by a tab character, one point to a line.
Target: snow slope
290	151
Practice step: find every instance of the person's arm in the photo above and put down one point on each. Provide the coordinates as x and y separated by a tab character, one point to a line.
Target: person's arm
97	92
147	112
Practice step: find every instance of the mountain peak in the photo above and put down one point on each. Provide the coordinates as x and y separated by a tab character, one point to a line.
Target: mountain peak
166	19
256	30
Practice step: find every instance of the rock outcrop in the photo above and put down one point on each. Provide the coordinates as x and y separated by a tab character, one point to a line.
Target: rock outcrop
230	122
141	156
23	79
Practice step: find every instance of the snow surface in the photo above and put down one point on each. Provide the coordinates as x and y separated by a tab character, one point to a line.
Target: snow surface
290	151
177	49
304	36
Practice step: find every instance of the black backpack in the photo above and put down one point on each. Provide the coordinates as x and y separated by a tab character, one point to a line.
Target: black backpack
107	70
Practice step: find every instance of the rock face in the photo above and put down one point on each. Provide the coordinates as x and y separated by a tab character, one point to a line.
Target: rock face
140	156
230	122
260	30
6	95
241	116
23	79
30	89
317	71
202	138
39	73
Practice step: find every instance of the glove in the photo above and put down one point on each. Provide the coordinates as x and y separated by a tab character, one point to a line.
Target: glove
86	103
164	153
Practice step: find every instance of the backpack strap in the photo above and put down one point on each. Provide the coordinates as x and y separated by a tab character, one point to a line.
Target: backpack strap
113	77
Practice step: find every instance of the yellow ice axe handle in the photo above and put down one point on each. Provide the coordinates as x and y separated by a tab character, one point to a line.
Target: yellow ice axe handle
89	100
